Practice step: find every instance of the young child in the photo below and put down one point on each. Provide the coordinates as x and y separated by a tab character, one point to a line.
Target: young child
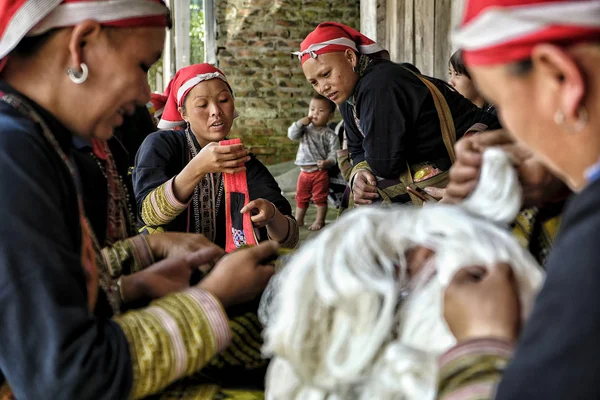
316	154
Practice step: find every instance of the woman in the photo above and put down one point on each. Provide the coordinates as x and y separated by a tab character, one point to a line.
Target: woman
56	55
389	111
460	79
543	76
178	173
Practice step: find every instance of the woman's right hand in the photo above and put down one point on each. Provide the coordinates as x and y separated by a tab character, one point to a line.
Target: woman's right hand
241	275
215	158
364	187
483	303
538	183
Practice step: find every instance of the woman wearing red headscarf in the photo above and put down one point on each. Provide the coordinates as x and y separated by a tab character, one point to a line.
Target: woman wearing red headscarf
391	118
72	68
539	62
178	175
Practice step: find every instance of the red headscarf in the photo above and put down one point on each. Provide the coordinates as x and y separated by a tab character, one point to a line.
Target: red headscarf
158	102
330	37
20	18
504	31
185	80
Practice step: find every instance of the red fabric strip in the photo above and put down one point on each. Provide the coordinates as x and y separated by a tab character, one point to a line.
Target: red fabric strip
236	183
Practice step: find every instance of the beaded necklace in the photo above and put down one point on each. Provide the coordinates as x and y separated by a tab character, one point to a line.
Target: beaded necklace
90	247
120	219
204	203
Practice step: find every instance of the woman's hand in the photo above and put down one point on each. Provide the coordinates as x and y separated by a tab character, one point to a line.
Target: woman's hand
170	275
177	244
483	303
364	187
241	275
262	212
538	183
215	158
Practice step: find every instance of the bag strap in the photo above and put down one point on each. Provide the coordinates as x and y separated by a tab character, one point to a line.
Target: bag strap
444	114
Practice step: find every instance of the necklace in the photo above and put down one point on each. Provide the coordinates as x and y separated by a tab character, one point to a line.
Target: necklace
90	248
120	219
205	205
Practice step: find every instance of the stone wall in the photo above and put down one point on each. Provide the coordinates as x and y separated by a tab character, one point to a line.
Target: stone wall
254	42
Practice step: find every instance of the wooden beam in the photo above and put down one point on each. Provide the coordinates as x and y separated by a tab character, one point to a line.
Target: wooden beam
210	32
408	34
424	12
368	18
442	47
181	19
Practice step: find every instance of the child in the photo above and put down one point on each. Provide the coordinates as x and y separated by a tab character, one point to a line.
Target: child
316	154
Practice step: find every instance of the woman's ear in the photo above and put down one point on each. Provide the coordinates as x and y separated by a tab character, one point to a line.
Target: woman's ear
563	73
351	57
182	113
83	33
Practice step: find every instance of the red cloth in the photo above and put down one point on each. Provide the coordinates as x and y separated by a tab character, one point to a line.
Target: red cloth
331	37
237	232
39	16
185	80
504	31
312	184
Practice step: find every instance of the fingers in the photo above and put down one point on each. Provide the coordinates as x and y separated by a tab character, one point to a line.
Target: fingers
250	206
263	251
204	256
438	193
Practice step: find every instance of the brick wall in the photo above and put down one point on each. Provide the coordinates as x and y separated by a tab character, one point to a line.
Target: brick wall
254	42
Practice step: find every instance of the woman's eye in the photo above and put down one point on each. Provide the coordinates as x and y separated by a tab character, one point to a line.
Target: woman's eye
223	100
326	74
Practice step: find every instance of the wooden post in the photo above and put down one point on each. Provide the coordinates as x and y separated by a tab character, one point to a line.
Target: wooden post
442	47
168	55
368	18
424	13
181	19
408	35
210	34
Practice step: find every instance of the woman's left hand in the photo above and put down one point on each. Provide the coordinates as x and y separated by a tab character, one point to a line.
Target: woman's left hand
178	244
262	212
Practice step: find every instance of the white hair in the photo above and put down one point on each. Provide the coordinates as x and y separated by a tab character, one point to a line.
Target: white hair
343	319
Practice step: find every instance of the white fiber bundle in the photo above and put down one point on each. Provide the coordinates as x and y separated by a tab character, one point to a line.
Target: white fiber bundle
346	322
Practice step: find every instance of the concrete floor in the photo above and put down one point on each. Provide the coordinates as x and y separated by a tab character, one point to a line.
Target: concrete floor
286	174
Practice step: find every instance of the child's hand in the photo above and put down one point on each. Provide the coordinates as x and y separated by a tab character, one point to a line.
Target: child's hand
306	121
323	164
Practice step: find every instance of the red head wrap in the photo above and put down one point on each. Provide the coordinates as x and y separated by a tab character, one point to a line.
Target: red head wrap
331	37
185	79
20	18
504	31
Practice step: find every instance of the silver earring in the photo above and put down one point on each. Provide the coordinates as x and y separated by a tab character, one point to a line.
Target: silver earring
354	70
582	120
78	77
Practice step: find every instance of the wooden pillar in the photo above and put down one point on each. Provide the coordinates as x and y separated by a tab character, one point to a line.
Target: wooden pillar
368	18
169	68
210	32
442	45
181	19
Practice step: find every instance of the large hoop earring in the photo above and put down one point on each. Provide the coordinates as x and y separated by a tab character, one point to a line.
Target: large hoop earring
582	120
78	77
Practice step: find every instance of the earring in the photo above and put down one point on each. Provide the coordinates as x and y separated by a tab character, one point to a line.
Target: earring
78	77
582	120
354	69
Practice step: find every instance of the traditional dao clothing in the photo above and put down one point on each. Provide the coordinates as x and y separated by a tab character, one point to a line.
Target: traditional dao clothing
400	125
165	153
212	210
557	356
53	346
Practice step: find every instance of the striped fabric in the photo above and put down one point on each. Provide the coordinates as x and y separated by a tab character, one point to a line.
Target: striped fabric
161	206
174	337
471	370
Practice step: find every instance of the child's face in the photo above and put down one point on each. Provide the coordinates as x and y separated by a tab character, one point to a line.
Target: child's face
319	112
